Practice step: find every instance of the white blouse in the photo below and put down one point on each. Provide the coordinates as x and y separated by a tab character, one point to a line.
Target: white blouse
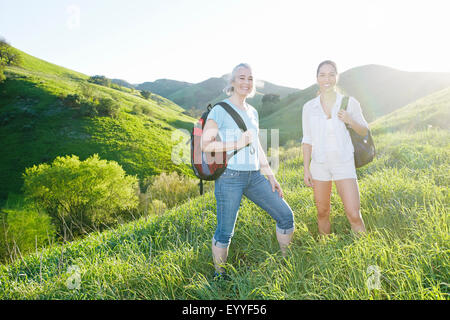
327	135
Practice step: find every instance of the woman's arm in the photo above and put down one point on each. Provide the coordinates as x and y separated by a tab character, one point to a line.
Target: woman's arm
209	143
307	151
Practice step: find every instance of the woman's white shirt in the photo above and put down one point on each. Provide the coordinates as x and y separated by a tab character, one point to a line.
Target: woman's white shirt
327	135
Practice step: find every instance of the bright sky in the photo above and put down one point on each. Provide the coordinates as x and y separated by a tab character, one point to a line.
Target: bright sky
193	40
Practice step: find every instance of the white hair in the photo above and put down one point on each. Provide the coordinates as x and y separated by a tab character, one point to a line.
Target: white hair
229	89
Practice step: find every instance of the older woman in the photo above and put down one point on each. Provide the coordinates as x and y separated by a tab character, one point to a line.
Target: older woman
244	173
328	150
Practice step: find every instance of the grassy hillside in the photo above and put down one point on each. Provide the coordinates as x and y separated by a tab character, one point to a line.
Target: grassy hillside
432	111
36	125
380	90
405	204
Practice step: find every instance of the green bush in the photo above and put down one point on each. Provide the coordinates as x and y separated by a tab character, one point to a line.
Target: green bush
173	189
81	196
108	107
22	231
2	75
73	101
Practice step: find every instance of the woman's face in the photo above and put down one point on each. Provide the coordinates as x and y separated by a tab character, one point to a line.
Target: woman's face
326	79
243	82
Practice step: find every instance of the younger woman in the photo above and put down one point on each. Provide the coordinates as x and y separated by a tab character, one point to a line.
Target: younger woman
328	149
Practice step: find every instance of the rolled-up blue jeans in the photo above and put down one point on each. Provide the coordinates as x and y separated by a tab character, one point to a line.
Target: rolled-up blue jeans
229	189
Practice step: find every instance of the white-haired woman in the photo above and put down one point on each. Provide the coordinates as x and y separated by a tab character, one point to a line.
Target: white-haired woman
245	171
328	150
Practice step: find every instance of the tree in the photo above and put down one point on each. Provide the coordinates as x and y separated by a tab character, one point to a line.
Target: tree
8	55
81	196
100	80
146	94
269	104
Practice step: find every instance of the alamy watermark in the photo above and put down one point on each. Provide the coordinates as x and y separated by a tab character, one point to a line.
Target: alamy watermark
74	280
373	281
73	20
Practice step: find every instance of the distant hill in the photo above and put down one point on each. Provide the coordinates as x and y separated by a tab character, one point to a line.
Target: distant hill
379	89
163	87
432	111
199	95
382	90
36	125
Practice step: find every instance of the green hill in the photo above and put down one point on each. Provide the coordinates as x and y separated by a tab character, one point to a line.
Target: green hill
432	111
379	89
37	125
199	95
404	203
163	87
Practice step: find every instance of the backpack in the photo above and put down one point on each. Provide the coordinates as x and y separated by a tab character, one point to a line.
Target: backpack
210	165
363	146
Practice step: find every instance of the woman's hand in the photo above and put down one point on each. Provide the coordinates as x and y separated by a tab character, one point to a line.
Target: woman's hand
344	116
245	140
308	178
347	118
276	186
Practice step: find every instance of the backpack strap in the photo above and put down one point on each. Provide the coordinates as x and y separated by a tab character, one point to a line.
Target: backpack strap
233	113
344	105
236	117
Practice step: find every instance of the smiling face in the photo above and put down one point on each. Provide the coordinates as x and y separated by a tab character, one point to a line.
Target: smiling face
243	82
327	78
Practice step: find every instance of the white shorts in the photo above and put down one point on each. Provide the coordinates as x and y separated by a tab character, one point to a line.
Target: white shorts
333	169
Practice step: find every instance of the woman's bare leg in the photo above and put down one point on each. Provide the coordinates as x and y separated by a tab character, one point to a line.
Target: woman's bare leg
322	195
349	192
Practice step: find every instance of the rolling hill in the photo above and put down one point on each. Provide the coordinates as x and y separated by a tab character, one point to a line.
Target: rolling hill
404	203
379	89
37	125
199	95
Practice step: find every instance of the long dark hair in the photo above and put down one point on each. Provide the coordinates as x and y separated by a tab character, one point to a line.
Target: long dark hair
331	63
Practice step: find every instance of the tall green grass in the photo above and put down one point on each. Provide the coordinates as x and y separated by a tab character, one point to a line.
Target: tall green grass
404	200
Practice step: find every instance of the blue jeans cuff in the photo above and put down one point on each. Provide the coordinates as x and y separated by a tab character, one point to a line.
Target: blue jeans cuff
285	231
220	244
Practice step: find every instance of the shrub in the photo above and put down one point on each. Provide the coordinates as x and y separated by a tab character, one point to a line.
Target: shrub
73	101
81	196
2	75
88	110
23	231
108	107
173	189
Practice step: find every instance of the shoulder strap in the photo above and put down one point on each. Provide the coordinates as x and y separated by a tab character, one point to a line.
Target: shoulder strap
344	102
236	117
344	105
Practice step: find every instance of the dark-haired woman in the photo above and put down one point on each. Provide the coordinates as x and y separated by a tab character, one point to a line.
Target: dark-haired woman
245	171
328	150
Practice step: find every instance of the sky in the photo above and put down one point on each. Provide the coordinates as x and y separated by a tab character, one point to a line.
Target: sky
193	40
